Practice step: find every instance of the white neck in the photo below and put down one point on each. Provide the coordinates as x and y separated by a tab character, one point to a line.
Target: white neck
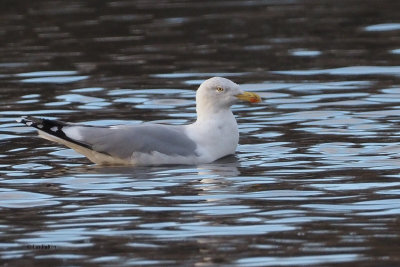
212	114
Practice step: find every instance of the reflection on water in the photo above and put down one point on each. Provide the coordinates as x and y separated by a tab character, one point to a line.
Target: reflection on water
314	181
353	70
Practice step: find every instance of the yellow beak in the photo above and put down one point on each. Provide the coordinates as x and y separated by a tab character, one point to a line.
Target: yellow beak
249	97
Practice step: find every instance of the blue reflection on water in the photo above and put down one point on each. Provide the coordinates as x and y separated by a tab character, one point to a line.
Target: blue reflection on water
352	70
298	260
55	79
383	27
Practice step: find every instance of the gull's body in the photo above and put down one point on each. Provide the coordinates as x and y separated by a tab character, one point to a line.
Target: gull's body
212	136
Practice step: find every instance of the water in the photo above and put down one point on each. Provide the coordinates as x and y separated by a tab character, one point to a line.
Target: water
315	180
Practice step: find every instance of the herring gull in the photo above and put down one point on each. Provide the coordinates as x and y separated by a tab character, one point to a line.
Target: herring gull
212	136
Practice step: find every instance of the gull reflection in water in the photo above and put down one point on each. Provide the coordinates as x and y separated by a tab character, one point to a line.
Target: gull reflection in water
215	182
225	167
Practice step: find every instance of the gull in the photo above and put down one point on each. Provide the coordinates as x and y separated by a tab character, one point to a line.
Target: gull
212	136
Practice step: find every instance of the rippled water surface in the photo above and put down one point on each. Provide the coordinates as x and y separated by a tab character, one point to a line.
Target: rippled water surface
315	180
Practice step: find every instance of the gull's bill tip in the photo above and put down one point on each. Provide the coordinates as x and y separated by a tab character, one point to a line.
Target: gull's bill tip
249	97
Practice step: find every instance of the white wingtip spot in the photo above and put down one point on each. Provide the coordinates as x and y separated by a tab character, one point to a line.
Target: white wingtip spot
21	119
40	126
29	123
54	128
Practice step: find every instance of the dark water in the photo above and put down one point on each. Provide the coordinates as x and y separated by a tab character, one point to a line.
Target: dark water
315	181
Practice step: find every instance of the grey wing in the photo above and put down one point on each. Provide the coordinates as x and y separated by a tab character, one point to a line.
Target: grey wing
123	141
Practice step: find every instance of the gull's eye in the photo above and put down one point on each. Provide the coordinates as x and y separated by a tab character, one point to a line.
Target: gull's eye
220	89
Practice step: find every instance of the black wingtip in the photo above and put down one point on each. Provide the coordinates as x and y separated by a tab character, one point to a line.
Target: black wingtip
40	123
22	119
31	121
28	120
51	127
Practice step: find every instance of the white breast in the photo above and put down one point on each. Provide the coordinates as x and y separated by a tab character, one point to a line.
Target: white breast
215	138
